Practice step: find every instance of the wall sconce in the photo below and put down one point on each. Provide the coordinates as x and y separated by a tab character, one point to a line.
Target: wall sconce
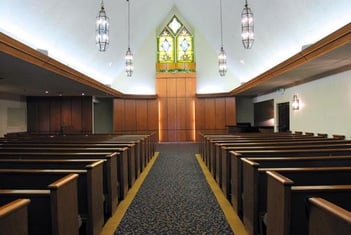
295	103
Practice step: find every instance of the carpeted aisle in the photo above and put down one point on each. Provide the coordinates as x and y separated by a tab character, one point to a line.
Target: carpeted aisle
174	198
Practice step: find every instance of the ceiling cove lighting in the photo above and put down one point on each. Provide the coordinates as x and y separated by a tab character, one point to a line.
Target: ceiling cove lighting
129	55
247	27
222	58
102	29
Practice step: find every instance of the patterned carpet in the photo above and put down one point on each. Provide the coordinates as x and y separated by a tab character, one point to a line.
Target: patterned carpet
174	198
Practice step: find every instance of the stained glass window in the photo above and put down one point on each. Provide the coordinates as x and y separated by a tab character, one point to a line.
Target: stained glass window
175	45
165	47
185	46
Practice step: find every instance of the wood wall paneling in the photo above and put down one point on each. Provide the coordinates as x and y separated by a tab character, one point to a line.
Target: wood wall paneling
55	115
200	114
87	114
230	111
220	113
118	115
152	113
190	87
172	118
76	120
66	112
182	117
172	87
210	114
130	115
141	115
181	87
44	116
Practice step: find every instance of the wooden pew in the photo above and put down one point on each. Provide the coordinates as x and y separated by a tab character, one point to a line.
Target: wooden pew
14	217
326	217
134	149
79	164
53	207
223	157
288	190
111	185
132	155
90	190
236	166
254	178
214	155
209	140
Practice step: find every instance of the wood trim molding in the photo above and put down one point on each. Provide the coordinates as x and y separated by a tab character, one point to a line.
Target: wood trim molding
19	50
214	95
323	46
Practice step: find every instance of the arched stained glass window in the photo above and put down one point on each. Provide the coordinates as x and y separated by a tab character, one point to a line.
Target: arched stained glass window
175	48
165	47
185	52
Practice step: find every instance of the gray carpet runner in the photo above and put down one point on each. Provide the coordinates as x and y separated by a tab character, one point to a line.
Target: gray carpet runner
174	198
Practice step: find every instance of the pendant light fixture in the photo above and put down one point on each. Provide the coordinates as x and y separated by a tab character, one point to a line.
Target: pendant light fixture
129	55
222	58
247	27
102	29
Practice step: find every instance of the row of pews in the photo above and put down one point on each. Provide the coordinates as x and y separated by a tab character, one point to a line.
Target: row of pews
283	183
67	184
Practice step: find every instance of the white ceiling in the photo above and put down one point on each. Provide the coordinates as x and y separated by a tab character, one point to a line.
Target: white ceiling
66	29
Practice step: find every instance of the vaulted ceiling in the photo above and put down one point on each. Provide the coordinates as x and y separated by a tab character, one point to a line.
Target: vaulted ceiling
66	29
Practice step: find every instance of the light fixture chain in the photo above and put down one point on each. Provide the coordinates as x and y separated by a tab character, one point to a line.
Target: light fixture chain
221	18
128	23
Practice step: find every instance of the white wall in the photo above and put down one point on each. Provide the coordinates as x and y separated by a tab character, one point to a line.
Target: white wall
13	114
206	58
325	105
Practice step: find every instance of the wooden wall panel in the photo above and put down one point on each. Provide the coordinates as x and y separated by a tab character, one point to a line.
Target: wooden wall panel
87	114
190	113
141	115
171	87
177	104
32	115
230	111
181	115
76	115
55	115
172	113
130	115
171	136
118	115
199	114
152	115
213	114
210	114
220	113
66	112
44	116
163	114
161	87
190	87
181	88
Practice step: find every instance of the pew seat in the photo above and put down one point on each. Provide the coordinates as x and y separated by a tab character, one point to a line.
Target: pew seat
326	217
53	207
13	214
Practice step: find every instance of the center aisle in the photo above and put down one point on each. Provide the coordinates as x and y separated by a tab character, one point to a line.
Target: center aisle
175	198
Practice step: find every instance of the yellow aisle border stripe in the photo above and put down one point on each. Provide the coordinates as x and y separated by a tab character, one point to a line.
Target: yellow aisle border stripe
229	213
112	224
